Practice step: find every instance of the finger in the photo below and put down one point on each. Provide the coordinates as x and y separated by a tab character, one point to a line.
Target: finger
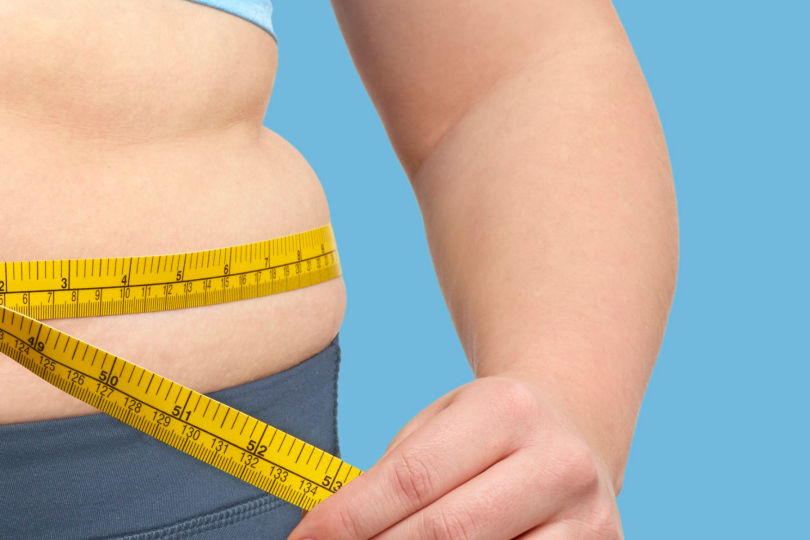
504	501
458	444
571	529
598	520
553	531
424	416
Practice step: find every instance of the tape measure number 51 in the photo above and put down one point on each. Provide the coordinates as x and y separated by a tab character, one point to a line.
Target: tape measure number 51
201	427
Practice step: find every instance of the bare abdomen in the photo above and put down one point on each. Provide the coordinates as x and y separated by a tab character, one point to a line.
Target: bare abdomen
134	128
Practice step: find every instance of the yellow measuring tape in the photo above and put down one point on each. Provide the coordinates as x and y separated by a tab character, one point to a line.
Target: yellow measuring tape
187	420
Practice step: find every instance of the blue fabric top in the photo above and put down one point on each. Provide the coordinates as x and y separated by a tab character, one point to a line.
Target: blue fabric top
255	11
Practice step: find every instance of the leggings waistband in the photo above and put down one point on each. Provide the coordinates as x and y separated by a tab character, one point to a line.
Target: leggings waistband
95	477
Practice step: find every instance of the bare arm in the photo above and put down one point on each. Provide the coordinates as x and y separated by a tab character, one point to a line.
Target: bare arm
536	155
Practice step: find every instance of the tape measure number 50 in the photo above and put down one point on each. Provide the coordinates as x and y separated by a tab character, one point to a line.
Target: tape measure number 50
201	427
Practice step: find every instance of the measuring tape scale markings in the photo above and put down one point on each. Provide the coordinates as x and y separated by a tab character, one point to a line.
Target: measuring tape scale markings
197	425
97	287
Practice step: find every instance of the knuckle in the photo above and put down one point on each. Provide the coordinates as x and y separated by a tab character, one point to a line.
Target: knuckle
412	478
599	520
603	521
447	525
515	399
577	468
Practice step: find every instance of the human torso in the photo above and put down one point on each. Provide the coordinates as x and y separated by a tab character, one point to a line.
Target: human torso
135	128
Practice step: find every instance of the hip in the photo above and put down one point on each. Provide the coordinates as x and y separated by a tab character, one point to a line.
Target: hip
94	477
67	200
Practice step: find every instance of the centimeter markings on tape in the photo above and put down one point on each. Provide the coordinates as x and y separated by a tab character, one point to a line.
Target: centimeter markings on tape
94	287
187	420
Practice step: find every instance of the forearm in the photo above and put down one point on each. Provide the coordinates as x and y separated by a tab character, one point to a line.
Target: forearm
551	220
537	158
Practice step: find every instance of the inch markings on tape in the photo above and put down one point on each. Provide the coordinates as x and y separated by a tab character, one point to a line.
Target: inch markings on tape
95	287
201	427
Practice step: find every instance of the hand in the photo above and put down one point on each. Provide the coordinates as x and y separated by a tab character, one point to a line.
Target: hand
492	460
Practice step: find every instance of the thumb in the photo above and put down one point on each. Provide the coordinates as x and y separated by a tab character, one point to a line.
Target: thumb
424	416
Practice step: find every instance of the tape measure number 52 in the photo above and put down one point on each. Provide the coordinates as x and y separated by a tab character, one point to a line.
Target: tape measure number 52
201	427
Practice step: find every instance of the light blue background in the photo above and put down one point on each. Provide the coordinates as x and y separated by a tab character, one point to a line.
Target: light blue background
721	446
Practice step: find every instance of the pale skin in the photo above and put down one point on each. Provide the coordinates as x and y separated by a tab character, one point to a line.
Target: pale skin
535	151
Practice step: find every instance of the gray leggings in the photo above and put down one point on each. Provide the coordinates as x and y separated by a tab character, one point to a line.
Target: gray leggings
95	477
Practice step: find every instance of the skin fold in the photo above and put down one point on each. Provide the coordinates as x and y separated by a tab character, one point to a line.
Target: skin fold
533	146
124	133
